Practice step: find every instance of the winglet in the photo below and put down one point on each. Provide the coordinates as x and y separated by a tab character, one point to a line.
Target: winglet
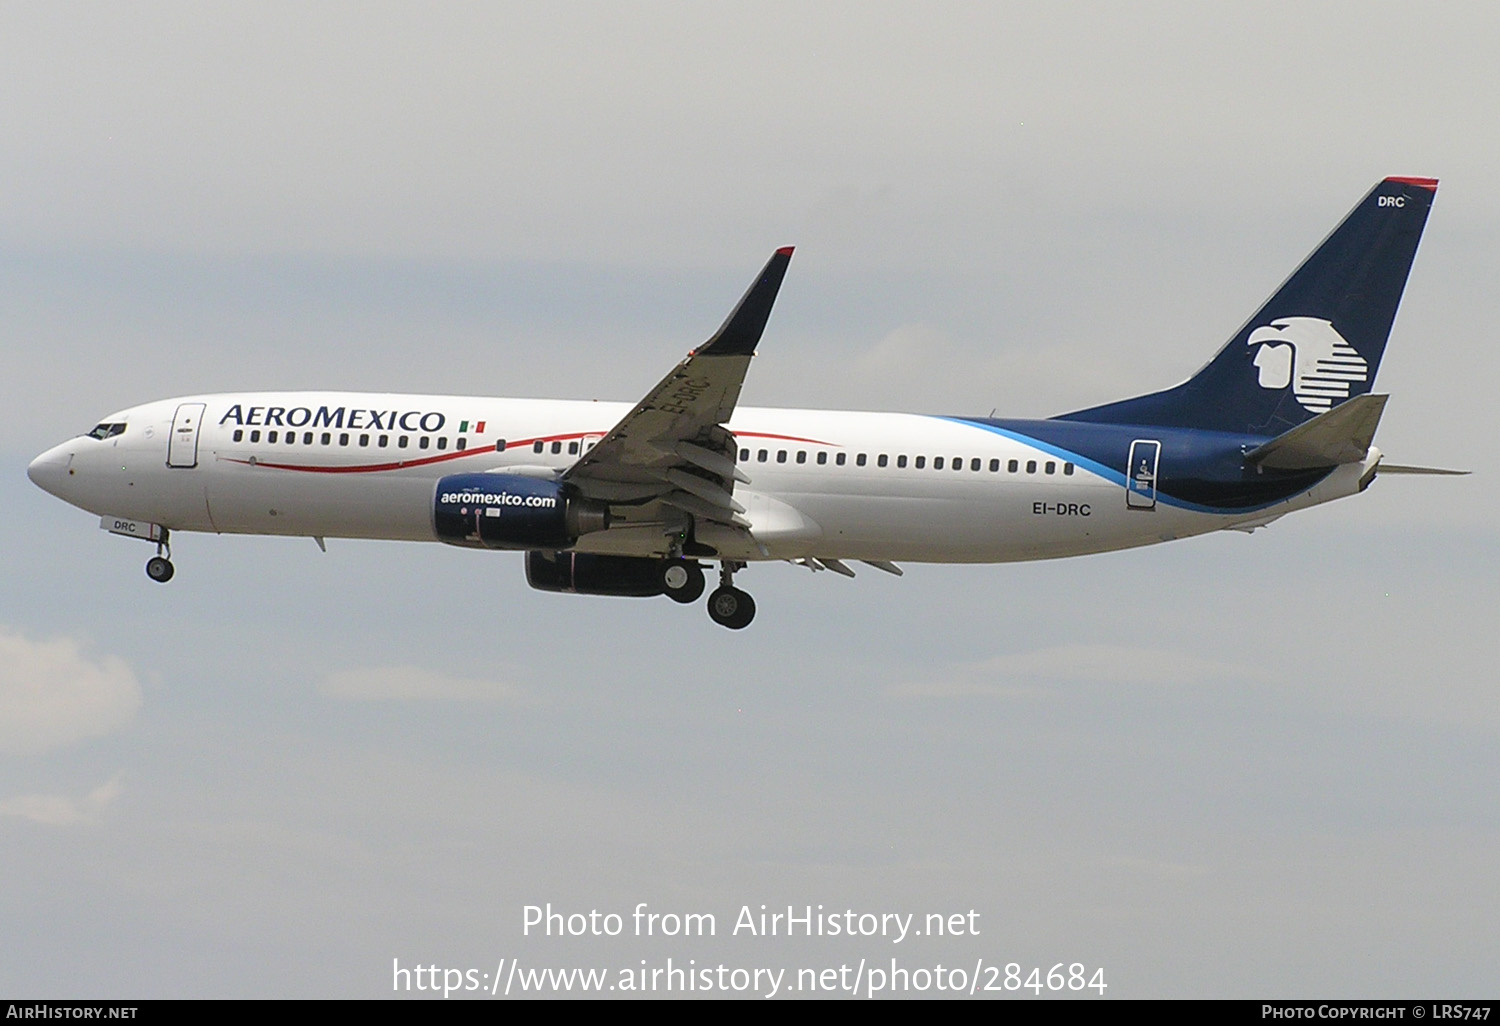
740	333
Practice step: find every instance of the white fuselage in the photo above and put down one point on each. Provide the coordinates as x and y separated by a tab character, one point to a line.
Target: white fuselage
835	484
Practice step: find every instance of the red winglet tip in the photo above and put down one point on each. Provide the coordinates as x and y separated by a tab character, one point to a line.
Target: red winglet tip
785	251
1421	183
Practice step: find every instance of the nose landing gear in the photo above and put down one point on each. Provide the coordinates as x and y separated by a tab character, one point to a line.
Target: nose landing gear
728	606
159	567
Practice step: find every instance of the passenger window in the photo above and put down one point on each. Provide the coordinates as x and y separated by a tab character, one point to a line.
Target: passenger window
801	455
461	444
500	445
442	443
1068	469
840	458
860	460
744	455
271	437
763	455
401	441
958	463
556	448
882	460
921	462
239	436
900	461
343	438
572	448
974	464
1013	466
1031	466
383	441
937	463
780	455
538	446
822	458
1051	467
423	442
255	436
327	438
307	438
364	441
994	466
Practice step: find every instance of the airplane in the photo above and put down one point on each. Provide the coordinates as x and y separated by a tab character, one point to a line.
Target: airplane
613	499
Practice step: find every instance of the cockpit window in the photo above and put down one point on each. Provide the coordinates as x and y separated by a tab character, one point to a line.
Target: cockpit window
103	431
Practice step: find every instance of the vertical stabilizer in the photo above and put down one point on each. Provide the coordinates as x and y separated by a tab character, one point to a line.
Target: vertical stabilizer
1316	342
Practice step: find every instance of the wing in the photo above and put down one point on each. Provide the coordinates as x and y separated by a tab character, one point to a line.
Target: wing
673	448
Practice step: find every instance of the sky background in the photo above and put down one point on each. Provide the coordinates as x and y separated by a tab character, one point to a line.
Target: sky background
1228	767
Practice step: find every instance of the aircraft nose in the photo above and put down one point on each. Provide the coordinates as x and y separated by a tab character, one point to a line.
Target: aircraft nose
49	470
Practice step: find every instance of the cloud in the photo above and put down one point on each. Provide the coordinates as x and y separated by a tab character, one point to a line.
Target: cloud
412	683
1032	673
63	810
906	351
51	694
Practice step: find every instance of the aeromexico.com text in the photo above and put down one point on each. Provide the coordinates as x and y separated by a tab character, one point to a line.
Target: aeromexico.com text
337	417
497	499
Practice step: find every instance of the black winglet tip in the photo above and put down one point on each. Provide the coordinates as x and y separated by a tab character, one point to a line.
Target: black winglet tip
741	332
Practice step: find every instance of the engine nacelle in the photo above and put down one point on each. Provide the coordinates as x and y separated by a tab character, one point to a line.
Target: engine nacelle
508	511
586	574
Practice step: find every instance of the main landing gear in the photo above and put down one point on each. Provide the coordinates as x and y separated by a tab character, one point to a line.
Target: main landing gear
159	567
683	581
728	606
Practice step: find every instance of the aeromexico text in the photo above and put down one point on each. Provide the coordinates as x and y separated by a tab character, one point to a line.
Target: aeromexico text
335	417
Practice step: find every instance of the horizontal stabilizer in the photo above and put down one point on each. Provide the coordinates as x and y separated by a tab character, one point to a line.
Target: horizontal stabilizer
1341	435
1395	468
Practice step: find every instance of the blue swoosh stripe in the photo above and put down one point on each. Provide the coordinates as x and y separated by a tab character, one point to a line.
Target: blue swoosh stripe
1110	473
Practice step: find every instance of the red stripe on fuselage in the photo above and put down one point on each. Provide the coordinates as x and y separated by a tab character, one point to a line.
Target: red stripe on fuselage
784	438
425	461
444	457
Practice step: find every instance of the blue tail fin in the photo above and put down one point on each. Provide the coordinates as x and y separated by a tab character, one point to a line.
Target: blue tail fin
1315	343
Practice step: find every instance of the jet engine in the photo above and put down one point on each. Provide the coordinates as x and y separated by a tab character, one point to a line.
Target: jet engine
508	511
586	574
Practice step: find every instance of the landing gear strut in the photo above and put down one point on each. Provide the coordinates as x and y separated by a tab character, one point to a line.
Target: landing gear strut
728	606
159	567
